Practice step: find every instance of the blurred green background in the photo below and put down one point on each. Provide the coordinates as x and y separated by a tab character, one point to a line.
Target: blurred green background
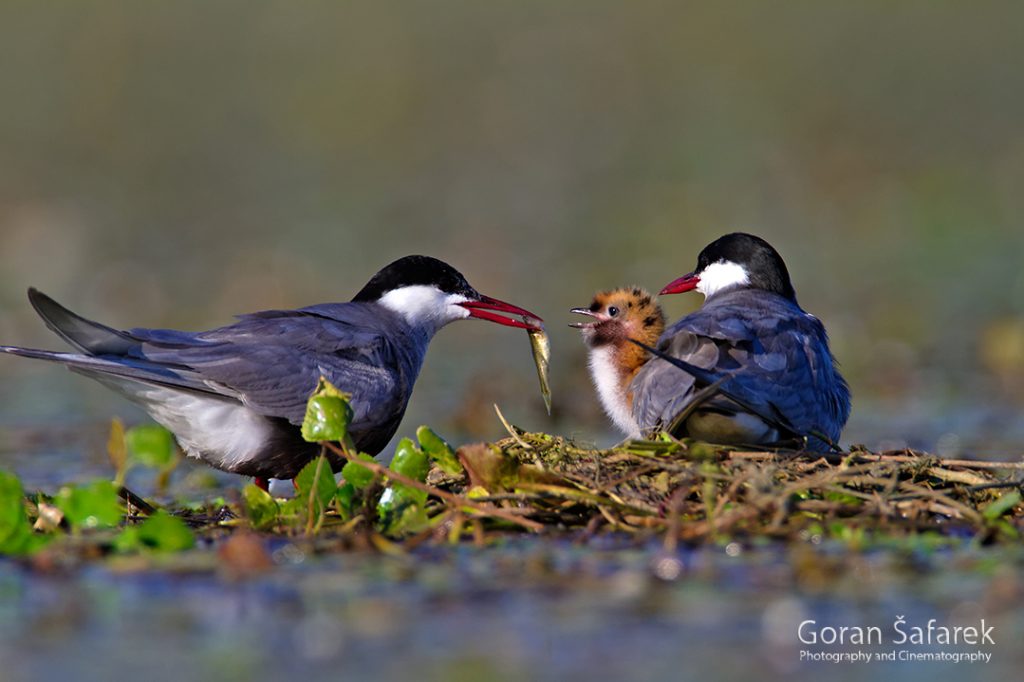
172	164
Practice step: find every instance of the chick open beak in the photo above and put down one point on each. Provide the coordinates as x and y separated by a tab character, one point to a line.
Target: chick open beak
589	313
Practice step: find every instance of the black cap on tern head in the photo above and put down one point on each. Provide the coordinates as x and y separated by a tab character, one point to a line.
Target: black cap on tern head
412	271
737	260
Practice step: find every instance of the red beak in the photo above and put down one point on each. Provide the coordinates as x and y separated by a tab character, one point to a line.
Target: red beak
482	310
685	283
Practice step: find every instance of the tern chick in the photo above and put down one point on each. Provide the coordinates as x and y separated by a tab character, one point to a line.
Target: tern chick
618	316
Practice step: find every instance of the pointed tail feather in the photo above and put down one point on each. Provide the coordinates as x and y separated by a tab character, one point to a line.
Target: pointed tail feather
37	354
87	336
125	370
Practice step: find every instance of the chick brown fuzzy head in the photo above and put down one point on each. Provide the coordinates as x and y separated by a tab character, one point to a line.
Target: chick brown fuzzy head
619	315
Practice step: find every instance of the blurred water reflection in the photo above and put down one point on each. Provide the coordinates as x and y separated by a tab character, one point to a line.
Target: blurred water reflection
532	609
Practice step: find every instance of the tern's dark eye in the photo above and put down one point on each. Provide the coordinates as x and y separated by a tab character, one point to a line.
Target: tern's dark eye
612	311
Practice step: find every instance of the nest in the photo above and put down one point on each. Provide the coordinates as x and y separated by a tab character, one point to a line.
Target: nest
694	491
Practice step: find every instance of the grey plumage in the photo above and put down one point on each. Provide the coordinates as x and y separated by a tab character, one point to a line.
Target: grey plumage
776	354
769	358
268	362
235	396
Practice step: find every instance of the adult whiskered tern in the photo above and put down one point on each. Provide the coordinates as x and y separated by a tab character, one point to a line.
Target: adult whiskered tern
235	396
772	374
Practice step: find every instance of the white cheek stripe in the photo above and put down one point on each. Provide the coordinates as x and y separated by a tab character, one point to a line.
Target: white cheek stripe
722	275
425	306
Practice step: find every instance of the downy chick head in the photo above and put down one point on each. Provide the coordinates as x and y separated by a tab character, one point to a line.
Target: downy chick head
621	314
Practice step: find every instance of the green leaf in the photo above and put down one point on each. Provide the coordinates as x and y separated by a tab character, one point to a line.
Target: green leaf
358	476
92	505
128	540
16	536
327	414
166	533
260	507
410	461
346	499
12	507
401	509
161	532
1002	505
315	488
439	451
840	497
151	445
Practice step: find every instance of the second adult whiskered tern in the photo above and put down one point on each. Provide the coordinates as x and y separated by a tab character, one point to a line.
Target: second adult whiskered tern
235	396
751	339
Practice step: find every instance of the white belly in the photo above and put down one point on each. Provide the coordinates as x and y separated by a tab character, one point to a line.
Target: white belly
221	432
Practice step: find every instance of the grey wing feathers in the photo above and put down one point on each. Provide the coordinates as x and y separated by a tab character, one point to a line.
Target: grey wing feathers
269	361
273	360
660	390
776	356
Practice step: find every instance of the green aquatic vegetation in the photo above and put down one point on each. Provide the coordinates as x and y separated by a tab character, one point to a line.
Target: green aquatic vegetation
439	451
995	512
678	490
161	532
399	504
16	536
410	461
346	498
1002	506
315	491
402	508
91	505
260	507
328	414
359	476
153	446
149	445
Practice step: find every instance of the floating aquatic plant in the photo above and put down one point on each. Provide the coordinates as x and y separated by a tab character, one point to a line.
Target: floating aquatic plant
681	491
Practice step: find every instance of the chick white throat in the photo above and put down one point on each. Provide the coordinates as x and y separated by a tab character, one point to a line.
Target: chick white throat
722	276
607	378
425	306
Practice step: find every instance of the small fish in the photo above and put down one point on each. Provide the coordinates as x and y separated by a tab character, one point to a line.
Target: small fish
542	358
